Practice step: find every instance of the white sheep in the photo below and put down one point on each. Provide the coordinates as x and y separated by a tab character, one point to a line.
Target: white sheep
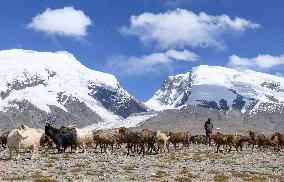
27	138
161	140
84	137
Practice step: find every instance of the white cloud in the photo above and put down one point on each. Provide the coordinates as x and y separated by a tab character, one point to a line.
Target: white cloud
67	21
149	64
261	62
180	28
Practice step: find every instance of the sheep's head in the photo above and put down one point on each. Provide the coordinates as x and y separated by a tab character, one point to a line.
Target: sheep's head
20	135
47	126
122	130
22	127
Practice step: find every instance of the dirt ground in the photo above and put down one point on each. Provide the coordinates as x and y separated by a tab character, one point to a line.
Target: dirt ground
196	163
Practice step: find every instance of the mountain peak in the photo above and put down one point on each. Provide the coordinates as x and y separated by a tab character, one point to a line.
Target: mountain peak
219	87
47	81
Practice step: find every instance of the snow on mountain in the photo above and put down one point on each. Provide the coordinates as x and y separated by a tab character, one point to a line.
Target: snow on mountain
220	87
47	80
131	121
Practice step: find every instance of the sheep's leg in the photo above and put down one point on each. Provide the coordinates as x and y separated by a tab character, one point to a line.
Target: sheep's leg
10	153
154	148
111	148
17	153
84	147
175	145
33	152
105	147
218	146
137	147
168	146
142	149
64	149
237	148
149	147
128	148
76	149
101	146
96	146
59	148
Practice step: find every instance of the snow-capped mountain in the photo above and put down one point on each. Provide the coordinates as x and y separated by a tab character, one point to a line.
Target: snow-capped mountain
37	85
222	88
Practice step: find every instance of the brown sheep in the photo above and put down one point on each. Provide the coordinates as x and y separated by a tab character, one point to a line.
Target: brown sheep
251	137
239	141
197	139
150	140
221	139
181	137
132	139
280	137
46	140
104	139
3	139
261	140
266	141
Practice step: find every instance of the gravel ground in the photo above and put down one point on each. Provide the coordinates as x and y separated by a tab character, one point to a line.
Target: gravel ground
196	163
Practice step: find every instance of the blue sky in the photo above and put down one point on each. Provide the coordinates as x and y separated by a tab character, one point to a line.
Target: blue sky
164	37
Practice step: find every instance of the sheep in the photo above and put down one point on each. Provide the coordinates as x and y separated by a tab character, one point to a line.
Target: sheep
62	137
261	140
251	137
24	139
238	141
198	139
104	139
280	137
84	137
133	138
3	138
267	141
150	140
162	140
181	137
221	139
46	140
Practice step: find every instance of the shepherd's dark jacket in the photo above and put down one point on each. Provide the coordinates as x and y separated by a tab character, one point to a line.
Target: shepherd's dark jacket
208	127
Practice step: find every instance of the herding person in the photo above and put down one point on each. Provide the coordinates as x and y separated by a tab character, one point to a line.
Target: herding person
208	126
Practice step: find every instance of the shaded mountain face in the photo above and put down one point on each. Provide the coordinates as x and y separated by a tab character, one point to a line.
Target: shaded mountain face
192	117
36	86
220	88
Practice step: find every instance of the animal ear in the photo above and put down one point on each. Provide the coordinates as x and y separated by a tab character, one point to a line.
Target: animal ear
47	123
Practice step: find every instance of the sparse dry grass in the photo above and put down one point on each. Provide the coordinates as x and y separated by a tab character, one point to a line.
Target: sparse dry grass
196	163
129	168
160	174
221	178
183	179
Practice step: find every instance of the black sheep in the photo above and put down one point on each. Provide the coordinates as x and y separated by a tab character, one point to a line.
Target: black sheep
63	137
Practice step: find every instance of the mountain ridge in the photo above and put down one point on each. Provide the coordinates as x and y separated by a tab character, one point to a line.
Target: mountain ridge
219	87
58	84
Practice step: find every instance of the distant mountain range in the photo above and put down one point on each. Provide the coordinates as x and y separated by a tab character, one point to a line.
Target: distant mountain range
39	86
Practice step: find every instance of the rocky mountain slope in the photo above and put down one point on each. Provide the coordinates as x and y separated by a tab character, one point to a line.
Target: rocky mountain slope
35	86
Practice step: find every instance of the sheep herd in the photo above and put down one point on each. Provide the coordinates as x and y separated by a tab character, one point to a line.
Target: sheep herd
141	142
